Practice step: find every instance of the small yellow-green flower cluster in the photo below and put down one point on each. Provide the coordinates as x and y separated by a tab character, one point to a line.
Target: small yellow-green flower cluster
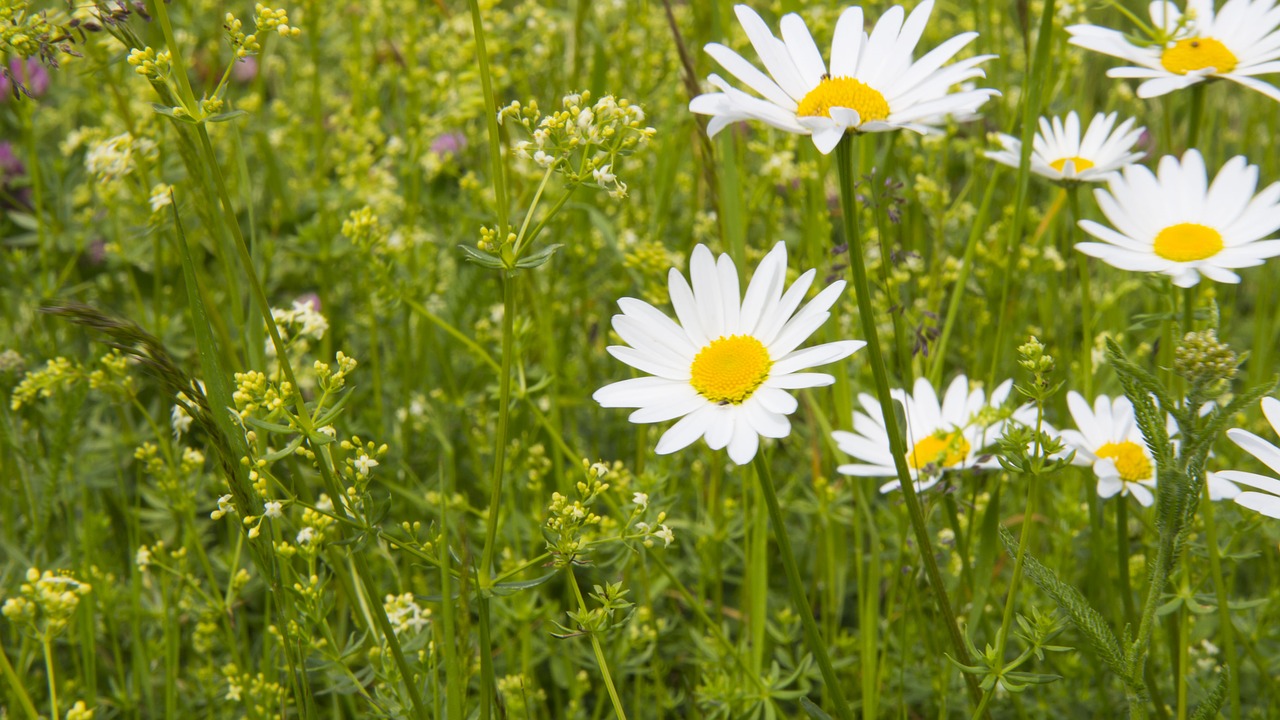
582	141
46	603
266	20
57	374
255	395
149	63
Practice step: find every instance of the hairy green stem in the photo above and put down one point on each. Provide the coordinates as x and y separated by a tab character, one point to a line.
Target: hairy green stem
866	312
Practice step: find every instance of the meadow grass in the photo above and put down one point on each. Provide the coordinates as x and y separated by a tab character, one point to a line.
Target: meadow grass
304	309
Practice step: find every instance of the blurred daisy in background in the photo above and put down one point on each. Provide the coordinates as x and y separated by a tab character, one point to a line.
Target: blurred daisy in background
941	437
1108	438
872	85
1176	224
725	367
1267	501
1062	155
1236	43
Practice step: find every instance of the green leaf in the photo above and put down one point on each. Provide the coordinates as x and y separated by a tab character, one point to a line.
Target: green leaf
482	258
224	117
1208	709
1086	619
814	711
511	588
538	258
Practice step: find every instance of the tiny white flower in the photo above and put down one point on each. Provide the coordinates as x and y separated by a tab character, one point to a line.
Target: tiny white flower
224	507
180	420
306	535
143	558
641	499
160	197
543	159
273	509
603	176
667	536
365	463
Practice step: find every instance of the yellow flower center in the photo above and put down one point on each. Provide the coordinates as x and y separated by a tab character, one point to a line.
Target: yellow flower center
1130	459
941	449
730	369
1198	53
1080	163
1186	242
844	92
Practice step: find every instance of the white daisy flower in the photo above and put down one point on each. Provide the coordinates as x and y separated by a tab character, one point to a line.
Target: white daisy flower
942	437
1179	225
1267	501
1109	439
725	367
1060	154
1238	42
872	85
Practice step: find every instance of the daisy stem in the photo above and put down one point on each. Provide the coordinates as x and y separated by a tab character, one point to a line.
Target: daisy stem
1086	297
1122	560
796	585
1197	112
845	158
599	651
1039	71
1224	611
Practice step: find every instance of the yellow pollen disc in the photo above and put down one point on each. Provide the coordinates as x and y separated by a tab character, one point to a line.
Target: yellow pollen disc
940	449
730	369
1131	461
1186	242
844	92
1198	53
1080	163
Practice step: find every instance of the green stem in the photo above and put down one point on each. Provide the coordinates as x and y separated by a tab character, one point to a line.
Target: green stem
866	312
1086	299
483	577
599	651
1122	560
16	684
796	585
1197	112
1024	539
47	644
1030	108
453	671
491	111
1224	611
